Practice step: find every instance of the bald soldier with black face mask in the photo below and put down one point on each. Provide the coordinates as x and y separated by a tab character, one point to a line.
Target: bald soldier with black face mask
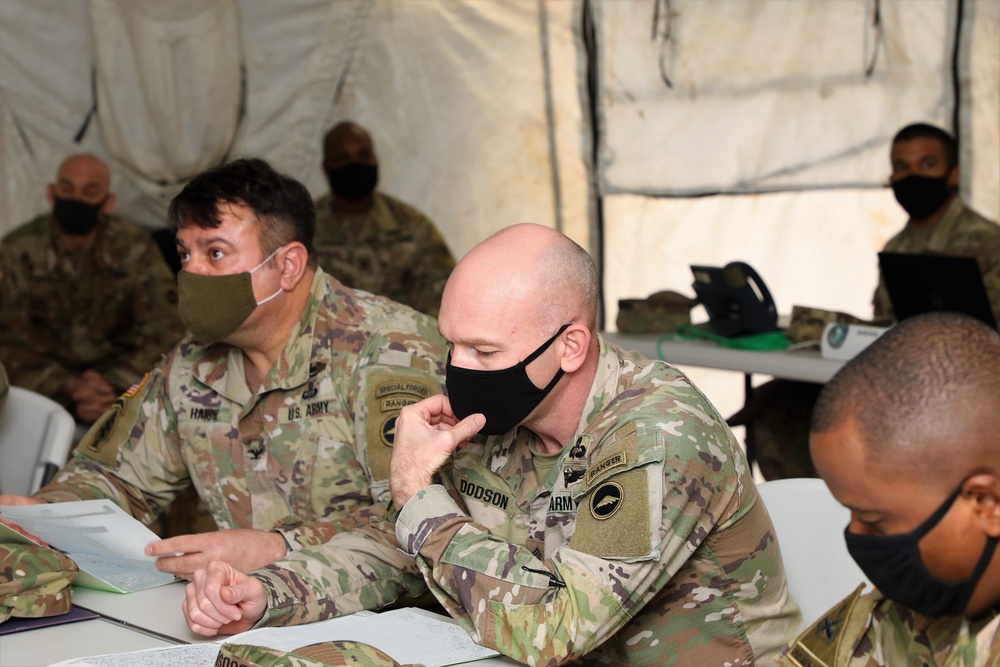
906	437
87	303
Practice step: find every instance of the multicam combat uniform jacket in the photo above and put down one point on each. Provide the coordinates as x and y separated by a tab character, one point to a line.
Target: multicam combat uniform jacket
392	250
962	232
113	309
310	448
870	631
646	544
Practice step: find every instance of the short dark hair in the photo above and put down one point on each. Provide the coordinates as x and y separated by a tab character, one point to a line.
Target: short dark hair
926	131
913	383
280	203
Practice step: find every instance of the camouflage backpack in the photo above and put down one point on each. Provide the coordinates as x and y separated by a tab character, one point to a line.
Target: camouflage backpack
34	581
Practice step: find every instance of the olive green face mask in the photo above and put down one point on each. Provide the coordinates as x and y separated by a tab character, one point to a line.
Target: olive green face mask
212	307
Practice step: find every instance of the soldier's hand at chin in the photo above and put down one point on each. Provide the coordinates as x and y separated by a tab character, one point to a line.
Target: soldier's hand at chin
243	548
222	600
427	434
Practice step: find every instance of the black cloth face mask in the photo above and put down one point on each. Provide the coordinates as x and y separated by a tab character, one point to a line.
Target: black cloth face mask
353	181
920	196
75	217
894	565
505	397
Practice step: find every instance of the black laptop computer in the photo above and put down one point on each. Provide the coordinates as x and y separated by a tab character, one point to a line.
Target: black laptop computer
927	283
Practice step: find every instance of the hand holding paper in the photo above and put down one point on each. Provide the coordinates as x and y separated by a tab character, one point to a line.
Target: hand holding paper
105	542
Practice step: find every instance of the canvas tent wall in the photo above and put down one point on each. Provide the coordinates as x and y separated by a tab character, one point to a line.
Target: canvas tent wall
657	133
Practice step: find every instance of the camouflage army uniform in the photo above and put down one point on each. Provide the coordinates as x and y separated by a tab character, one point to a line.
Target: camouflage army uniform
961	231
113	309
870	631
306	454
392	250
34	581
646	544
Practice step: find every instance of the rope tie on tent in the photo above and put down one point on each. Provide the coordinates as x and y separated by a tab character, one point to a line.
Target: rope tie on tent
78	137
665	37
878	29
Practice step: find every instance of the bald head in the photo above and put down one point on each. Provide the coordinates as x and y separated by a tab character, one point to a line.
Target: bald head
924	398
81	179
88	173
528	275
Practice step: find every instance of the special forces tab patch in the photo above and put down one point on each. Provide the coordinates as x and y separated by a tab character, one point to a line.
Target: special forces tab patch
388	393
113	428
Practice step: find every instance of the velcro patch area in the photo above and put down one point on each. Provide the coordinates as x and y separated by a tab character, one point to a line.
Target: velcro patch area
388	393
114	427
613	517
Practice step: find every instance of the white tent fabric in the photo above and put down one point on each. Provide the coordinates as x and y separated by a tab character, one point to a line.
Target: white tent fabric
165	114
481	113
474	105
753	96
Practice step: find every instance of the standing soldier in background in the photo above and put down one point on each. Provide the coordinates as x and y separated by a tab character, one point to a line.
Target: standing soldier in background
371	241
87	303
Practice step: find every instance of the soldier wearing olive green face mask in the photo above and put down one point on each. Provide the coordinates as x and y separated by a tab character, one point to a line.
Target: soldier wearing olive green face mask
278	406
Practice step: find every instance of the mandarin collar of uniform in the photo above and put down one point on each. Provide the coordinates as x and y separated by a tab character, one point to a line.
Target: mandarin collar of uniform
944	229
103	253
604	387
382	216
291	368
284	374
379	214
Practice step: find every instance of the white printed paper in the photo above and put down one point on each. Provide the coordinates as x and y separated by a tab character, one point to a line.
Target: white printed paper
406	636
105	542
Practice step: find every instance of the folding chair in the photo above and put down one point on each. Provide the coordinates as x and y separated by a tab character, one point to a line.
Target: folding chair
36	435
810	526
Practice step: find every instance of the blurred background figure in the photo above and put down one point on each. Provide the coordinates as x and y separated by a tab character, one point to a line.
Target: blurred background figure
87	303
369	240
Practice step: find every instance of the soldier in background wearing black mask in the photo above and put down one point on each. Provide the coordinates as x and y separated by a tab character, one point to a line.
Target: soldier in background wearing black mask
87	303
371	241
905	435
925	178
